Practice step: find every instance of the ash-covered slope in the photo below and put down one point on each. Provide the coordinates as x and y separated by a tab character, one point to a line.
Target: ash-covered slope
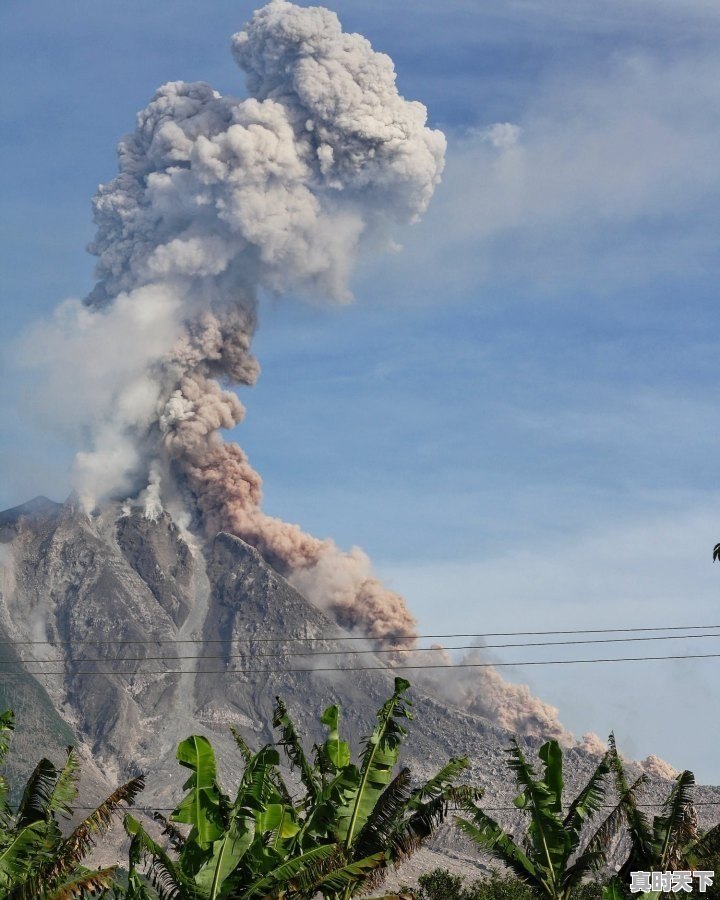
82	584
85	584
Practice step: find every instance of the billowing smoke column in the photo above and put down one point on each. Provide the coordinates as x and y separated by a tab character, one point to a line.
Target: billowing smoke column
218	200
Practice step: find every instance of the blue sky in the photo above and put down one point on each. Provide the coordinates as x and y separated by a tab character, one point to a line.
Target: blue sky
518	416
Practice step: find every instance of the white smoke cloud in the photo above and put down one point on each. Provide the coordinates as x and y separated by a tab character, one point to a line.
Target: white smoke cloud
152	497
216	202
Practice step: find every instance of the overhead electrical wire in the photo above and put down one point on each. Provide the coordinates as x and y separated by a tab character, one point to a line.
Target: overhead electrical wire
658	805
340	637
345	651
388	668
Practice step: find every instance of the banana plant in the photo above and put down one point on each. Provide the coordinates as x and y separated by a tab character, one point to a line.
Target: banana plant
231	843
336	838
556	856
241	848
37	862
368	809
671	841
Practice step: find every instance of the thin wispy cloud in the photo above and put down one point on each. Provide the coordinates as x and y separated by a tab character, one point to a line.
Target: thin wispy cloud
630	572
606	180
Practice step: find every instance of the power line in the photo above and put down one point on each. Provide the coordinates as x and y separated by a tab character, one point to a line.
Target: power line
305	653
388	668
658	805
330	638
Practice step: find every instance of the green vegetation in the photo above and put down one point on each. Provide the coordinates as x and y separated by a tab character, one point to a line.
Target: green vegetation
556	858
335	839
441	885
37	862
672	841
336	836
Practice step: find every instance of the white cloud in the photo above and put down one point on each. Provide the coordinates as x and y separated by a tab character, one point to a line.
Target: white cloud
89	359
606	179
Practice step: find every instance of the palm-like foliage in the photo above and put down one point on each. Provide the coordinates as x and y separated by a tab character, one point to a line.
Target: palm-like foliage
555	856
38	862
671	840
373	814
350	822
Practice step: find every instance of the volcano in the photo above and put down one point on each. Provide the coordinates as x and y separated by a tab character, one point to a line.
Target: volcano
147	635
127	633
122	634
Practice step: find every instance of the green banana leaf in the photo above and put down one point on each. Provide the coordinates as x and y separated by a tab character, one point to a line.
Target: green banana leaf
336	751
379	758
200	807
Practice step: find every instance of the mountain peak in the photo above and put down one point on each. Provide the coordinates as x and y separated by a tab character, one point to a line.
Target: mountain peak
37	506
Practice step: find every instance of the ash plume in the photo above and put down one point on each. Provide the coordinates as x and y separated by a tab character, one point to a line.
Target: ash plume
217	202
593	743
656	767
484	692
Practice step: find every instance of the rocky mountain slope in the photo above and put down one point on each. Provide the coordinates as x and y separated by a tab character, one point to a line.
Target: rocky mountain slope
83	584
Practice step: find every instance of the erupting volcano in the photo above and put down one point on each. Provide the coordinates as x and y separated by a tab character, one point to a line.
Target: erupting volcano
218	202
